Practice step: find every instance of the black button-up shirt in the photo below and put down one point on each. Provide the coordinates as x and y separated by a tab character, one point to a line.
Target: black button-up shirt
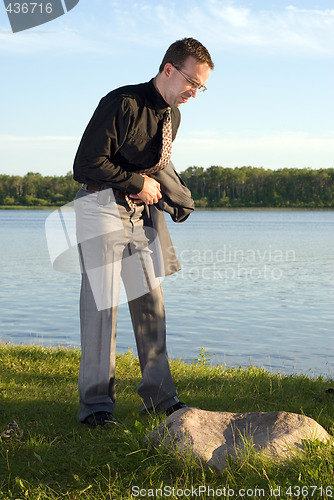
123	137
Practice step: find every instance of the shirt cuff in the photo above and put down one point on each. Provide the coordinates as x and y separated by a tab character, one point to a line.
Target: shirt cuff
136	184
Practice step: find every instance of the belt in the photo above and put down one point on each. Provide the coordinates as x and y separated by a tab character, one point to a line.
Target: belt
95	189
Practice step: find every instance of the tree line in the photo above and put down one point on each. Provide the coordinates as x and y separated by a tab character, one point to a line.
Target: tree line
259	187
36	190
215	186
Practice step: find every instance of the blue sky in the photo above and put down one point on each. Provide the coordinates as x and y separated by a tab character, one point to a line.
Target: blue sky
269	101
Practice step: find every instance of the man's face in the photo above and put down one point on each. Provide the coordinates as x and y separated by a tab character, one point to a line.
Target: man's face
181	82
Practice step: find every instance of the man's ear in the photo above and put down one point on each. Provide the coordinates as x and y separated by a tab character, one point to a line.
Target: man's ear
168	69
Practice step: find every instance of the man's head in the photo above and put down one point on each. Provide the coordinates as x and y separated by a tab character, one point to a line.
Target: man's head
184	70
180	50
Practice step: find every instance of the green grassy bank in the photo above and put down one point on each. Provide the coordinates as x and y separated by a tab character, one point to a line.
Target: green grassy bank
52	456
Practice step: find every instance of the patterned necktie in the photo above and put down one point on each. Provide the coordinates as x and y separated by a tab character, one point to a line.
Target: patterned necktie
166	151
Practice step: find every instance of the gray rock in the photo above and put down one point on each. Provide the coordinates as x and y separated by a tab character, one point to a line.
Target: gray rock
212	436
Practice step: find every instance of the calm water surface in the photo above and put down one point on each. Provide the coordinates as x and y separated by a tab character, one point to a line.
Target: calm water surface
256	287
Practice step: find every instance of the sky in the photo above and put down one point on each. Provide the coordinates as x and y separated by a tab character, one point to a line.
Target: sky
269	101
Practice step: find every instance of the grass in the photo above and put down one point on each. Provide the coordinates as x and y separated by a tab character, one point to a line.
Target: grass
56	457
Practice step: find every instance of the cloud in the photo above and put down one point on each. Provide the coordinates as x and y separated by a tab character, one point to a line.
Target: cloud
228	27
48	155
53	155
107	26
276	150
63	38
309	31
36	140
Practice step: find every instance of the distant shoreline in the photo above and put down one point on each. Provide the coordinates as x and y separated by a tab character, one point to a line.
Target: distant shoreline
213	188
201	209
23	207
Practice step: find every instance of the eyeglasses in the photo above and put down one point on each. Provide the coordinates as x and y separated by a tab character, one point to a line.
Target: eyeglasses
194	85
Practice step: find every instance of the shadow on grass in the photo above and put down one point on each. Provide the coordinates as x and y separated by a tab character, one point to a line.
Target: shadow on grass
53	454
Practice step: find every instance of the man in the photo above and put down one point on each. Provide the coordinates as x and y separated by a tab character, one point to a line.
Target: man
123	163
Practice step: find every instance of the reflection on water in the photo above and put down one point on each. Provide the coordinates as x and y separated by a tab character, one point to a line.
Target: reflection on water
255	287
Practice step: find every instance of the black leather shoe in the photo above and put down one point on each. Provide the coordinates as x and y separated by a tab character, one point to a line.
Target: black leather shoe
102	418
168	411
175	407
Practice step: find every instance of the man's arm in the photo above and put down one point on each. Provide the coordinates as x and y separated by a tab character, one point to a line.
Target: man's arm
105	134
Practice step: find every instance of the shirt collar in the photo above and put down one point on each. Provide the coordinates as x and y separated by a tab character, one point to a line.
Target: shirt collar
158	102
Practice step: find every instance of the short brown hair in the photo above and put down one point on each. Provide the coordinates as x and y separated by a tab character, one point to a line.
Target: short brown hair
180	50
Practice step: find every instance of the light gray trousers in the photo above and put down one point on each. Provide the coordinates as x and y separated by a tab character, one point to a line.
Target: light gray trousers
113	245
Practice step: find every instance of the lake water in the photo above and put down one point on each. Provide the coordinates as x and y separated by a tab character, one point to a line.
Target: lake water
256	288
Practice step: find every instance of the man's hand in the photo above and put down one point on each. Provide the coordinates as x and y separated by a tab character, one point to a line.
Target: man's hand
150	194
